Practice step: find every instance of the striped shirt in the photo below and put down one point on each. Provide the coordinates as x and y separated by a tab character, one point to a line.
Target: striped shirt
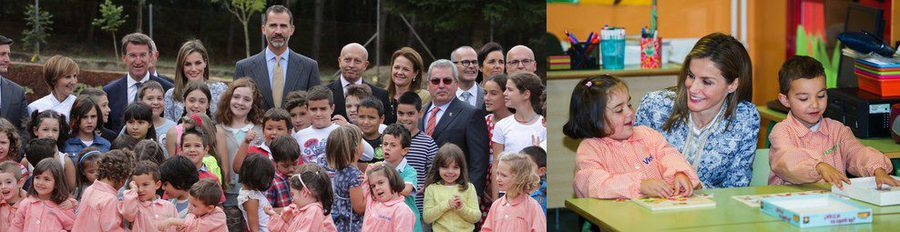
422	150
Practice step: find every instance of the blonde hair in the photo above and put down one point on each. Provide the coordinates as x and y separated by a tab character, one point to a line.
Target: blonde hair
342	145
58	66
522	170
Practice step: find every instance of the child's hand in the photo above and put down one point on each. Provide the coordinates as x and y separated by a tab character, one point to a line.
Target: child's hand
683	185
457	202
340	120
881	177
656	187
268	210
287	215
535	141
132	186
164	225
251	135
831	175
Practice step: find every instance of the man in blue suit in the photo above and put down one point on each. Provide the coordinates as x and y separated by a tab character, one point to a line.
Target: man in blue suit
12	96
138	50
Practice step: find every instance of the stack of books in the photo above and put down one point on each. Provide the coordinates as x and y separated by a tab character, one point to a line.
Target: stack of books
878	77
560	62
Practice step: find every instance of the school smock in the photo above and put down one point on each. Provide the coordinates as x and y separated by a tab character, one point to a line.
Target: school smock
35	214
393	215
522	213
145	215
212	221
99	209
307	218
608	168
796	150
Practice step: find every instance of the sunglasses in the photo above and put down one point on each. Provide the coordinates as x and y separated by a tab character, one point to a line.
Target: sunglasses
437	81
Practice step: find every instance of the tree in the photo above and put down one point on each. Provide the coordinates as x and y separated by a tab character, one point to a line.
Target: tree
474	18
243	10
38	29
111	18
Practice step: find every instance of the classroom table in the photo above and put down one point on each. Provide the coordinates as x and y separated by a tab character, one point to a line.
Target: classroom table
728	213
884	144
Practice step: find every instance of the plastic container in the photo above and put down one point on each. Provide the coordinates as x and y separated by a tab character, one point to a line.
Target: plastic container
613	51
881	87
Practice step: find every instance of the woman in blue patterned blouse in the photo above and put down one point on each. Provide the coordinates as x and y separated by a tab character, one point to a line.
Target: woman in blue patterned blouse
192	65
708	116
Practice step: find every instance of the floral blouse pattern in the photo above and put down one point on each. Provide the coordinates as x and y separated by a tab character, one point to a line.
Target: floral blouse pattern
342	211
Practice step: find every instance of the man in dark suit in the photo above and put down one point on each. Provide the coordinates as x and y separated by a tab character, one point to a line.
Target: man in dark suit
466	60
449	120
278	70
353	61
137	53
12	96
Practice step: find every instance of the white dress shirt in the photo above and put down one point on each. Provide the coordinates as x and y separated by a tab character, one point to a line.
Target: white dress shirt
132	88
50	102
345	83
473	99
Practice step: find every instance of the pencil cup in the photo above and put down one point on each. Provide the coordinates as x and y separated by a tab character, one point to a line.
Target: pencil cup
613	51
651	55
582	61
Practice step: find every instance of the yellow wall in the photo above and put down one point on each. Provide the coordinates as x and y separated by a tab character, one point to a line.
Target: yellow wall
677	18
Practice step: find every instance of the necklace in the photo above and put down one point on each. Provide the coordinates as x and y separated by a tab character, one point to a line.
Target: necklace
530	119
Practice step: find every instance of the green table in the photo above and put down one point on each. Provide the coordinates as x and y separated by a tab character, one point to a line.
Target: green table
885	222
628	216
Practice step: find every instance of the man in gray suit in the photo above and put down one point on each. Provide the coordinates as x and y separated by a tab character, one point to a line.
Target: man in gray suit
278	70
12	96
466	60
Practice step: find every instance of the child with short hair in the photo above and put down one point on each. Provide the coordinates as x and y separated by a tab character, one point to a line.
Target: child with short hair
86	121
87	170
11	192
295	104
807	147
342	152
138	119
276	122
370	116
395	142
311	205
46	148
177	175
516	177
384	208
99	207
539	158
150	151
140	205
194	146
355	94
256	177
213	161
313	139
48	202
151	93
616	159
285	155
451	203
204	216
422	147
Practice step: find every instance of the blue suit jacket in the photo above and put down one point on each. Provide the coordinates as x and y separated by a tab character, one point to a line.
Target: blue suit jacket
117	92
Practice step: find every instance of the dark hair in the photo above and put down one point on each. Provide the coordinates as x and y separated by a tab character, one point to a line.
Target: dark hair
278	114
277	9
295	99
285	149
399	132
207	191
60	188
482	57
137	39
532	83
341	145
80	109
500	80
447	154
195	131
731	58
360	91
124	141
257	172
191	87
40	149
316	179
5	41
178	171
12	133
537	154
418	67
256	109
373	104
115	165
798	67
394	179
150	151
92	92
181	80
11	167
150	85
146	167
88	155
587	107
38	117
319	93
140	111
411	98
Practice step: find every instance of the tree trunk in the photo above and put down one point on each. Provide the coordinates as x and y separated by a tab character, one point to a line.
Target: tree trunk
317	28
115	46
246	40
230	48
140	17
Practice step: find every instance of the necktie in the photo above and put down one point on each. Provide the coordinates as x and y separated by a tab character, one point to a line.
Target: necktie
432	118
277	82
137	90
465	97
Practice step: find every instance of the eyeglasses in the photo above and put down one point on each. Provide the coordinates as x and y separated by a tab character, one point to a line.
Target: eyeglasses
466	63
516	62
437	81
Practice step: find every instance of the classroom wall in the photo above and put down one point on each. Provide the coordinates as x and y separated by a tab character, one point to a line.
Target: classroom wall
677	18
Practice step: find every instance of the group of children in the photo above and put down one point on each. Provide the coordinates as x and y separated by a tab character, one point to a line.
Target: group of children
291	169
619	160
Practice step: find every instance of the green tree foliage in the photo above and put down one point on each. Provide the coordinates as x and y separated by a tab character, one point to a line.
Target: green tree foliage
243	10
111	18
38	29
474	16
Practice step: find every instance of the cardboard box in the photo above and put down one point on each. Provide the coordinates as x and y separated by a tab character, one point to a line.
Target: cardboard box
863	189
816	210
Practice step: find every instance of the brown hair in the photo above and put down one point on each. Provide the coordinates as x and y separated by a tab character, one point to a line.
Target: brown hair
191	87
394	179
115	165
733	62
181	80
360	91
798	67
295	99
418	67
11	167
315	178
61	190
522	170
319	92
58	66
449	153
278	114
80	109
342	145
224	114
137	38
531	82
12	133
207	191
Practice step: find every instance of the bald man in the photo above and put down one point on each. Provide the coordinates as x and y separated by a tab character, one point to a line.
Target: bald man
520	59
353	62
466	60
278	70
